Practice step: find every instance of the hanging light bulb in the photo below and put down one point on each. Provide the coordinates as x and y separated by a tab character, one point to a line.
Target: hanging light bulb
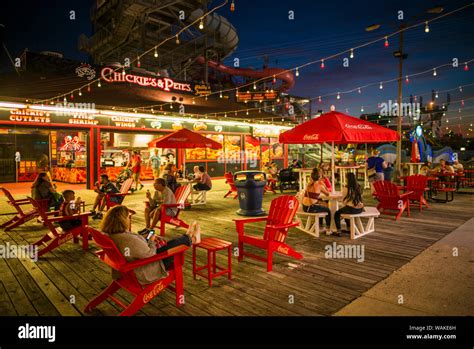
99	84
322	63
297	72
466	67
225	115
381	86
232	6
386	41
220	94
254	86
434	72
194	102
319	99
138	62
65	99
462	102
274	80
201	24
460	88
407	80
247	112
88	88
123	71
259	110
152	111
427	28
338	96
156	53
177	39
72	95
206	98
171	106
362	109
352	53
80	93
359	90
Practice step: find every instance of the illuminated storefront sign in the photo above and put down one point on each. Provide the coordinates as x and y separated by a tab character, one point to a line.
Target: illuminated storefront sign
266	132
83	119
123	121
256	96
166	84
28	115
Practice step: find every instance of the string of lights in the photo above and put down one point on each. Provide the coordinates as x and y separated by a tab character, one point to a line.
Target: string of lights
321	61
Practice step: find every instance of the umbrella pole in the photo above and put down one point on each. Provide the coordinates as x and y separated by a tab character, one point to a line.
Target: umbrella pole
184	163
333	167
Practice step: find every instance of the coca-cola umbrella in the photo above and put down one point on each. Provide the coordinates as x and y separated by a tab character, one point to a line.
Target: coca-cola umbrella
184	138
335	127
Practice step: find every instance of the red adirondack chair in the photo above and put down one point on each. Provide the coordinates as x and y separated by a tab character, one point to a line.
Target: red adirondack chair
143	294
229	179
181	195
57	236
417	184
279	221
124	190
22	215
390	199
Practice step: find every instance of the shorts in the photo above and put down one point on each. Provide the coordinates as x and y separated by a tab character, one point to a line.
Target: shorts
379	176
116	199
156	173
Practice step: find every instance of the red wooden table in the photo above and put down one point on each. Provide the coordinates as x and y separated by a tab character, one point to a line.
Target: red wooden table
212	246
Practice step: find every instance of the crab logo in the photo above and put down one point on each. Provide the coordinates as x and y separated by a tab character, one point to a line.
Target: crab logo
218	128
85	70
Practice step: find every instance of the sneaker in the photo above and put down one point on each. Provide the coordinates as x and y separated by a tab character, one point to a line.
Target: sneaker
328	231
141	187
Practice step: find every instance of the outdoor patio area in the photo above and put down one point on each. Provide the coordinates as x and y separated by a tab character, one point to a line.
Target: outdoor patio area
63	281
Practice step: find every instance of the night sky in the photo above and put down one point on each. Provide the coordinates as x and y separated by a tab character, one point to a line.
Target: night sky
320	29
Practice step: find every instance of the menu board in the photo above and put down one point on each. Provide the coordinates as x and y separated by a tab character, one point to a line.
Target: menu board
196	154
232	147
214	154
252	146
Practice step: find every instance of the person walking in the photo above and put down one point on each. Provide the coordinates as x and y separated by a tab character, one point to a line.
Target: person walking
136	167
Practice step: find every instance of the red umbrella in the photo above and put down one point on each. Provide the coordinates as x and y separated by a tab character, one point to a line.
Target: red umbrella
338	128
335	127
184	139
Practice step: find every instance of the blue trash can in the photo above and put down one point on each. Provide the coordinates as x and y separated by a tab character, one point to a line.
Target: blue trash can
250	192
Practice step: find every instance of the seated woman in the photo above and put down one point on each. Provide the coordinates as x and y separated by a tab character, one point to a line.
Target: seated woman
42	189
426	169
312	202
352	194
134	246
70	207
204	182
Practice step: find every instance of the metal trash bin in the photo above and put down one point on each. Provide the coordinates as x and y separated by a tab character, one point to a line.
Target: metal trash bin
250	191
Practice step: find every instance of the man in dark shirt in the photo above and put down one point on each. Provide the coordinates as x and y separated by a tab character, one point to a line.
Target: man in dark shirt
105	187
375	168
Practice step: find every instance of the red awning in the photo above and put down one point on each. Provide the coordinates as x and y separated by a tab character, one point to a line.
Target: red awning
184	139
338	128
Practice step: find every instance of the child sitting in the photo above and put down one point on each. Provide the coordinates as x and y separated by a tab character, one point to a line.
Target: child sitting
70	207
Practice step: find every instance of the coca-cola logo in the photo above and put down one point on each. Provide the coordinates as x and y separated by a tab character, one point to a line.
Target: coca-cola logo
313	137
358	127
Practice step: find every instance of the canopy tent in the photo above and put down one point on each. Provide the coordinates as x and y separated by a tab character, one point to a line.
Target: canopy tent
339	128
184	138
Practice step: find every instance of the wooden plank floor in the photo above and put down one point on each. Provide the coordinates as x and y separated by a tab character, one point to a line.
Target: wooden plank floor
62	282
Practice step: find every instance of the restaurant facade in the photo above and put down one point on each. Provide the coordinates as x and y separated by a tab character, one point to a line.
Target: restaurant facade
80	146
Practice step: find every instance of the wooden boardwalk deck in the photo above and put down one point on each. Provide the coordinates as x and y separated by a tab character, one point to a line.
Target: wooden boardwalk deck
313	286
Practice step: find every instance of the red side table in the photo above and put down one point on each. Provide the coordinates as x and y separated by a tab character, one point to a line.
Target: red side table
213	245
